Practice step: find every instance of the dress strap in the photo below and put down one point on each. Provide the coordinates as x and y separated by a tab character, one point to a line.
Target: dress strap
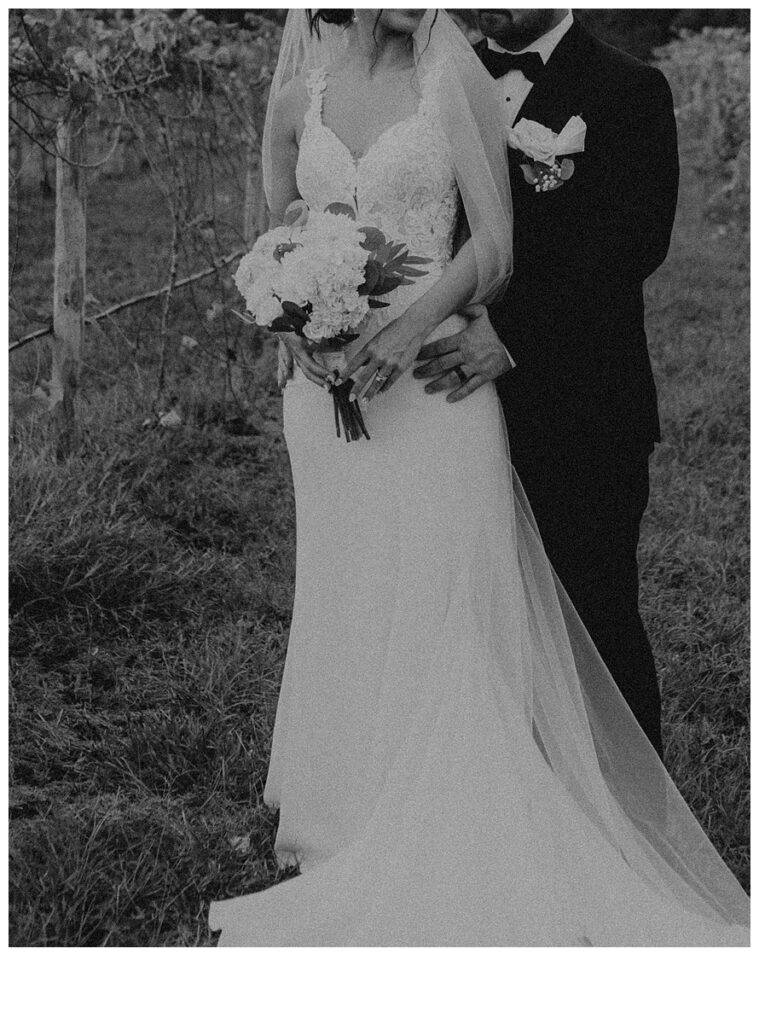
430	87
316	83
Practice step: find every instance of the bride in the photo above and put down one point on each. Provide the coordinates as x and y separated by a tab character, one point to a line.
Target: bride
452	762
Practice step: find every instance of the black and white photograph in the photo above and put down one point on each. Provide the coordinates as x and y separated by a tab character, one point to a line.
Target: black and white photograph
378	477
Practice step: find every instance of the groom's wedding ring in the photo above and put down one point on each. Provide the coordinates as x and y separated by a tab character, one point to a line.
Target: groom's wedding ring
380	379
460	374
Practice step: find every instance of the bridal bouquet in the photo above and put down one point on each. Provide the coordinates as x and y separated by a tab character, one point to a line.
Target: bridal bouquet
318	276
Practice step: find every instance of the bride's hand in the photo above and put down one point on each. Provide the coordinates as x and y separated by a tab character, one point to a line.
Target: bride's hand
285	363
379	364
296	349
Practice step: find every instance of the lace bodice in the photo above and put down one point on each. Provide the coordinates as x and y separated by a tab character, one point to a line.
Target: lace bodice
404	184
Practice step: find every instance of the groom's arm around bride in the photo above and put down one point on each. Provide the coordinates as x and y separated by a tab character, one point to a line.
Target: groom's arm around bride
580	405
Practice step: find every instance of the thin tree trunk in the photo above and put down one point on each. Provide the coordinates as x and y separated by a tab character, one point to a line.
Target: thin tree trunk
16	138
30	172
255	210
166	302
69	282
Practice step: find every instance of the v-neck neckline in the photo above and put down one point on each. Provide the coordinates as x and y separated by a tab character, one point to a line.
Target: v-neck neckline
357	160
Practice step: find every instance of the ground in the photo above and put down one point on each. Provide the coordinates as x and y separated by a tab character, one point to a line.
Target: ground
151	584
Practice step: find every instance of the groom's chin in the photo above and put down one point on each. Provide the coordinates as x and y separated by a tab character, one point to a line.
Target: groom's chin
515	28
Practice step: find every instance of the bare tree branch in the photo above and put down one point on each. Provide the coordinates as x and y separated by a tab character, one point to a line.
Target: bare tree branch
127	303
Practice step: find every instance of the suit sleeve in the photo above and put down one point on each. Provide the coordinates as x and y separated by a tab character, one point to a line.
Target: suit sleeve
636	195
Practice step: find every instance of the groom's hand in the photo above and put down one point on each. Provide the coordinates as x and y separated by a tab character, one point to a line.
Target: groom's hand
463	362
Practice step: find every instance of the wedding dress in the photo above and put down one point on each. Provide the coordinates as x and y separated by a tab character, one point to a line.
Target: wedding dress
451	761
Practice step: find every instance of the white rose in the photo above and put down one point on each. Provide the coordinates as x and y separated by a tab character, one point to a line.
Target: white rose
268	310
571	138
322	324
539	143
534	140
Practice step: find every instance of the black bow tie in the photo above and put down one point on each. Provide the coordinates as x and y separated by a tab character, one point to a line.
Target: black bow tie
499	64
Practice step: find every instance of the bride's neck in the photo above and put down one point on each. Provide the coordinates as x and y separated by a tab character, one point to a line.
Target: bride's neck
376	49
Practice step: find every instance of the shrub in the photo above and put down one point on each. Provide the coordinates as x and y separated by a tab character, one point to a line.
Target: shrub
709	73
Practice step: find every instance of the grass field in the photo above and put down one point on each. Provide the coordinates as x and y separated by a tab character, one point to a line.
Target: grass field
151	581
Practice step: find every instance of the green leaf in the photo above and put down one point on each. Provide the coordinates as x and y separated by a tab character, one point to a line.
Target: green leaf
282	323
341	208
296	314
373	239
376	304
396	250
372	277
386	286
296	213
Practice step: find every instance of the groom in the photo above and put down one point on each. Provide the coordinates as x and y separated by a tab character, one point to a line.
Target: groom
580	405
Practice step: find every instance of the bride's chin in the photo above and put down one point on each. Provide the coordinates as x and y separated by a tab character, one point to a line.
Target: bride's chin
402	22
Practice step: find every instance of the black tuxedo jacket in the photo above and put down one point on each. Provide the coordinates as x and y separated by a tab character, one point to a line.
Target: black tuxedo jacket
572	315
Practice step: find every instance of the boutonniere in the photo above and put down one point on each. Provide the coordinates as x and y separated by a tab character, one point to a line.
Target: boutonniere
541	149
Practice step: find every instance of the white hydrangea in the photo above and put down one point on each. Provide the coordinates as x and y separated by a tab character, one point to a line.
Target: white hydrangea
260	261
324	270
332	228
295	277
268	310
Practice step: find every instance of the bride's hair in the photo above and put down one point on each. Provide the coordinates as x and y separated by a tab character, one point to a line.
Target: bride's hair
337	16
343	16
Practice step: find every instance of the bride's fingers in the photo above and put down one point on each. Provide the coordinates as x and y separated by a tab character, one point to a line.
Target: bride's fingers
390	381
362	379
313	370
315	378
386	376
284	365
381	381
372	389
359	359
313	365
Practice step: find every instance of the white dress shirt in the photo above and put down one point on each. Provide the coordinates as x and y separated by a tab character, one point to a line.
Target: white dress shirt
515	87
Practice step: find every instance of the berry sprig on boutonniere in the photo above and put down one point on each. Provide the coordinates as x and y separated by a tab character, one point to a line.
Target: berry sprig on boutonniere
541	149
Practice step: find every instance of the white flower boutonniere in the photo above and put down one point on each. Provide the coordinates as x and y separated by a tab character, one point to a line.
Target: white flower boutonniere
541	147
